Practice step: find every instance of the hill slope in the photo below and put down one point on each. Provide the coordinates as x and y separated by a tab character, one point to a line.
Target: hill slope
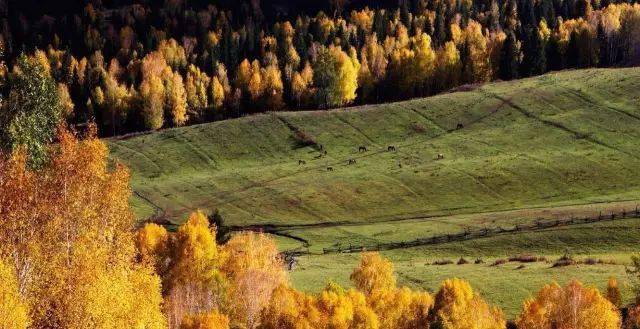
562	138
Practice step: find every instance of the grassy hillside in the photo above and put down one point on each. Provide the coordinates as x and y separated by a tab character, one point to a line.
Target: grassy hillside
553	146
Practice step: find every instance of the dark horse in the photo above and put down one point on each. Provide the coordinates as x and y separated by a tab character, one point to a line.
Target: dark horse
329	168
459	126
301	162
352	161
391	148
362	149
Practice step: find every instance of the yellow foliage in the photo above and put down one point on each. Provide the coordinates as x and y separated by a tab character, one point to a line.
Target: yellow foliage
401	308
342	309
65	100
374	274
290	309
458	307
197	86
176	99
13	310
152	243
194	280
254	269
195	252
173	53
210	320
336	73
152	92
571	307
217	94
479	68
68	227
272	88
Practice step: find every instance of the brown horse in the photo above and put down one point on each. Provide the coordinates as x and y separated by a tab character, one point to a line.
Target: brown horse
362	149
352	161
391	148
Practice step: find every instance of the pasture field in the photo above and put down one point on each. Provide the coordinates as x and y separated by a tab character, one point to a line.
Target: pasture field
560	145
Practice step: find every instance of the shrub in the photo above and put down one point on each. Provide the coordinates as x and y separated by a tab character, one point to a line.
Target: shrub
418	128
500	261
591	261
443	262
565	260
303	139
524	258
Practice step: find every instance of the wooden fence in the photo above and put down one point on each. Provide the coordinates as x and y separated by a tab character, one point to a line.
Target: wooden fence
476	233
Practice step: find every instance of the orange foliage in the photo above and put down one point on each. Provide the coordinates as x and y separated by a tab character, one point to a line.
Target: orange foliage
67	228
569	307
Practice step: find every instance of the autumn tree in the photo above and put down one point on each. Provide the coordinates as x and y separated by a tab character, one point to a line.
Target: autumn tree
176	99
273	88
448	67
66	103
13	309
290	309
115	101
342	308
152	244
152	93
194	279
211	320
397	308
613	292
301	85
173	53
373	274
581	307
336	76
254	269
197	86
152	90
67	229
33	109
476	57
217	94
457	306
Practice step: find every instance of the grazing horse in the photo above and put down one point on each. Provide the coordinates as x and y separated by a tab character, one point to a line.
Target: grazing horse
440	156
301	162
325	152
362	149
329	168
391	148
400	165
352	161
459	126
